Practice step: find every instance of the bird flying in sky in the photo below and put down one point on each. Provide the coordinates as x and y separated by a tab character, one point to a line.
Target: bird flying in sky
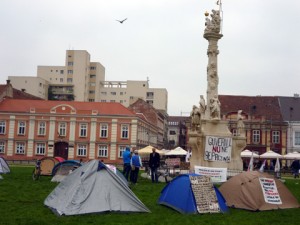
121	21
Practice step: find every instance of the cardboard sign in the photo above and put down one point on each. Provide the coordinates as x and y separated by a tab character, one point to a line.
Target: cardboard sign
270	191
216	174
205	195
218	149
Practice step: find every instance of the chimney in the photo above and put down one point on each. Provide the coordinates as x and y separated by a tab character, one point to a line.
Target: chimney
7	81
23	89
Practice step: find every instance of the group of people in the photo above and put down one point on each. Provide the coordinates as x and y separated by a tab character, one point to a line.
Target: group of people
132	163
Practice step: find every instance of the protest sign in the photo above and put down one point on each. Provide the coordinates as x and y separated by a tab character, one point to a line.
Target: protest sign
218	149
270	191
216	174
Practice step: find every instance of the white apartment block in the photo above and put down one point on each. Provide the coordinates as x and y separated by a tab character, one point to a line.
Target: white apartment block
32	85
127	92
82	80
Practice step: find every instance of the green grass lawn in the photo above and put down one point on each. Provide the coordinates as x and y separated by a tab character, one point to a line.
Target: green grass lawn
21	202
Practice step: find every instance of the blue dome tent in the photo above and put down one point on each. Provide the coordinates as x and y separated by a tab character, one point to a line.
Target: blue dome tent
179	195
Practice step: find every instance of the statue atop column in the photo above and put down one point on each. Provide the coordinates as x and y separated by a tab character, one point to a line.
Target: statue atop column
213	25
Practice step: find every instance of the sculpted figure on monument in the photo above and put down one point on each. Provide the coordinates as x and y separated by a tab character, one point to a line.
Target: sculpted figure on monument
195	118
202	106
213	79
213	24
240	124
215	106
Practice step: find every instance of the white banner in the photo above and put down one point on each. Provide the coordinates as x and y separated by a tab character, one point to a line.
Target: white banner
218	149
270	191
216	174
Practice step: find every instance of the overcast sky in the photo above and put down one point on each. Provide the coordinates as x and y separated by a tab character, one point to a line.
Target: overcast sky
162	40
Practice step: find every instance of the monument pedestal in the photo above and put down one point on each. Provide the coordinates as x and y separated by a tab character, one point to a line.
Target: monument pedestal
216	134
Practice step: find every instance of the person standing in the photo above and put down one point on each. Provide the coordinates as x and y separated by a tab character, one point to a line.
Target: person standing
136	164
154	163
126	162
295	168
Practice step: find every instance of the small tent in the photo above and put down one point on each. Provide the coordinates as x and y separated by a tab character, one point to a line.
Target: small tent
177	151
93	188
257	191
147	150
4	167
47	164
62	169
192	193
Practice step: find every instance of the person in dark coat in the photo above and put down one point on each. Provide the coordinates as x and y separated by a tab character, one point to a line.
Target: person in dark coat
295	168
154	163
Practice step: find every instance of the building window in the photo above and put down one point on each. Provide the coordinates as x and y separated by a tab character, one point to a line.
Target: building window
276	137
40	148
2	127
112	100
70	63
92	84
102	151
83	130
103	130
92	92
92	68
62	129
81	150
91	100
150	94
42	128
172	132
70	71
234	132
297	137
121	150
103	93
121	93
21	128
69	80
20	148
61	80
92	76
113	93
2	147
103	100
150	102
61	71
256	136
124	131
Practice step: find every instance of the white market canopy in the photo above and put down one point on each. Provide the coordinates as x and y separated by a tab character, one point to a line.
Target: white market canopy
270	155
177	151
292	155
147	150
248	154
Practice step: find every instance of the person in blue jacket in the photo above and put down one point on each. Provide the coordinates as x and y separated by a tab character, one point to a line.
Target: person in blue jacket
126	162
136	164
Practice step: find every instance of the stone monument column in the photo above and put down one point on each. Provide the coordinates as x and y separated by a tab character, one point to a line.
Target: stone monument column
212	34
212	143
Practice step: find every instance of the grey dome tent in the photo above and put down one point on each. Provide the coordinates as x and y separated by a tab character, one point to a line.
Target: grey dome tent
93	188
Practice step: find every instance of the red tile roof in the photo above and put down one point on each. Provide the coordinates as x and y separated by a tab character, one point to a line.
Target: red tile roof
43	106
258	106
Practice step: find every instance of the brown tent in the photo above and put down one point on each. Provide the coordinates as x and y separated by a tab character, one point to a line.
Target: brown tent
257	191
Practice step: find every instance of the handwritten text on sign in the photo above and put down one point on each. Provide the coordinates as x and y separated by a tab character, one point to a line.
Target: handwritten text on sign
205	195
269	189
215	174
218	149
